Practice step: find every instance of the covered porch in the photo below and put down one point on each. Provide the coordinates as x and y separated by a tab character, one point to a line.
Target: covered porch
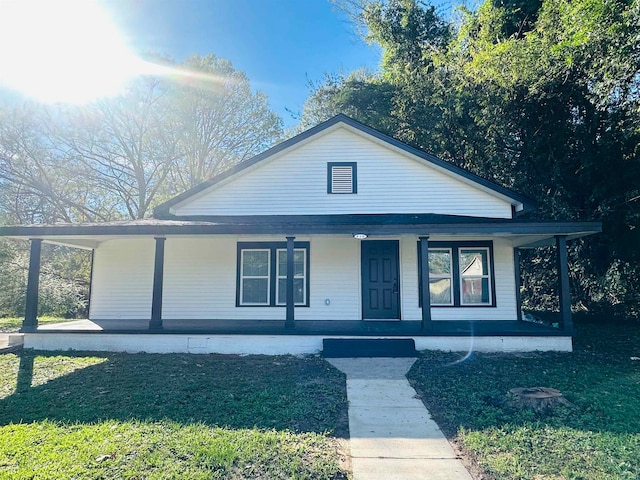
518	233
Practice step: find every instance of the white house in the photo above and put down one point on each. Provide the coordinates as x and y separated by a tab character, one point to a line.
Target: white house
328	235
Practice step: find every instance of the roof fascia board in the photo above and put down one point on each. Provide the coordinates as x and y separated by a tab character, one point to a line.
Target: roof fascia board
488	228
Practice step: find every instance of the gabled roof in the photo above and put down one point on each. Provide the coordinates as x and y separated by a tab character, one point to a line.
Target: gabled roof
164	210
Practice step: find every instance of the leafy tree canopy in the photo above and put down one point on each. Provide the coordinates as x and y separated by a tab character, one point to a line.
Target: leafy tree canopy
540	96
117	158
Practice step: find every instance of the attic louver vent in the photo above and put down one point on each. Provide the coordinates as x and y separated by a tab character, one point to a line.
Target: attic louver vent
342	178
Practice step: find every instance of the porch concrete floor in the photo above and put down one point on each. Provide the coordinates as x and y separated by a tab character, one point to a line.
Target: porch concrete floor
308	327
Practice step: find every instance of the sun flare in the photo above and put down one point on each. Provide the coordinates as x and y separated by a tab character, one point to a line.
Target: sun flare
63	50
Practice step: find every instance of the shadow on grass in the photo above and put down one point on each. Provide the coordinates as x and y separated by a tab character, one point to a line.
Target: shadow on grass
25	374
301	395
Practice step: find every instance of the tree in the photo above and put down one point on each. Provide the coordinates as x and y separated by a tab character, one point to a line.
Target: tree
219	119
35	186
359	95
118	157
123	147
541	96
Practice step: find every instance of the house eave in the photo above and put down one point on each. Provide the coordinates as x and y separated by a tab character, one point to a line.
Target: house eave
385	224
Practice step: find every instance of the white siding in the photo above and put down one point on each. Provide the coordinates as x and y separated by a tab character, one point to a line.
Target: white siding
409	276
122	285
335	276
200	281
295	183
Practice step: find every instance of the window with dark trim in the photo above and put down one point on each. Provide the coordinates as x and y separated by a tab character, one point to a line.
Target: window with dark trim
261	276
461	274
342	177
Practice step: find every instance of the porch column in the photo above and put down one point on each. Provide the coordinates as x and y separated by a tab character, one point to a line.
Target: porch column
30	322
563	280
516	269
93	257
424	288
158	278
290	320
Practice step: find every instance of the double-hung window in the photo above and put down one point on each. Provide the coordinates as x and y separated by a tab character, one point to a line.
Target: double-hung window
460	274
262	274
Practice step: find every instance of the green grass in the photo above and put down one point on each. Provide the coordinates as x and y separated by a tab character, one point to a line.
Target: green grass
86	416
13	324
597	437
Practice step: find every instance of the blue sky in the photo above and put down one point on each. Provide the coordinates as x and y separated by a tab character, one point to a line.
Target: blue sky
280	44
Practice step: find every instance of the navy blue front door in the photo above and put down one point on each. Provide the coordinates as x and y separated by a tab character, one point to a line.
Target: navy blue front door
380	280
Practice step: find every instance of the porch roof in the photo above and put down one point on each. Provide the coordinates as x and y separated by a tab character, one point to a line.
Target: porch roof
533	232
370	224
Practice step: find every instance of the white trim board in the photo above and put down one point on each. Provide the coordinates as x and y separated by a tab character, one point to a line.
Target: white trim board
273	344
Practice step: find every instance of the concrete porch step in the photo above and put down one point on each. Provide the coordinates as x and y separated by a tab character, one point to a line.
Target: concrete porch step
11	342
368	347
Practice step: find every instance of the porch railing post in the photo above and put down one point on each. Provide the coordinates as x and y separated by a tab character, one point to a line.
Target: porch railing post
290	319
563	280
424	284
158	279
30	322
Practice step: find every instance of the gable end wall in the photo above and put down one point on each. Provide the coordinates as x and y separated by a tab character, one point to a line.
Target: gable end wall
295	183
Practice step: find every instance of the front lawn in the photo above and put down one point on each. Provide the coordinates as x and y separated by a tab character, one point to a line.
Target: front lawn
86	416
597	437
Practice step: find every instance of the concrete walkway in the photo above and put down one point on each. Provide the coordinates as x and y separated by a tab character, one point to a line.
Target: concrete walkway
392	434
